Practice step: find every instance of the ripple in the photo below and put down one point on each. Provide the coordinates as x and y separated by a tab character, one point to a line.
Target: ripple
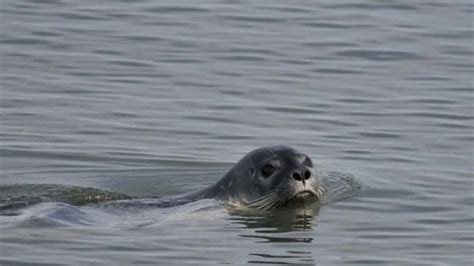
439	115
210	119
195	84
175	9
332	25
130	63
456	34
290	9
25	41
180	61
380	55
274	239
78	16
338	71
253	19
250	58
379	135
327	44
293	110
375	6
142	38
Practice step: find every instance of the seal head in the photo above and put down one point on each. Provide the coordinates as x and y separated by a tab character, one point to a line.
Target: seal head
268	178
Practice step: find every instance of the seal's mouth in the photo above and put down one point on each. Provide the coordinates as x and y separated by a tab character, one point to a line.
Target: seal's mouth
304	194
275	199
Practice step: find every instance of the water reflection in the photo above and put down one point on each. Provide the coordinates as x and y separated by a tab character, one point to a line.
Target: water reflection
291	218
281	227
304	258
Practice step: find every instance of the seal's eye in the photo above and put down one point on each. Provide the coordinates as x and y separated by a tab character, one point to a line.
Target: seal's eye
267	170
308	162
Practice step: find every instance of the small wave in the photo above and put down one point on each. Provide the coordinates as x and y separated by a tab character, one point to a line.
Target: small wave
56	214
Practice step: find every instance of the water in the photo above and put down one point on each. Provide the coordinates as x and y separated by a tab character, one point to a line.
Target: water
153	98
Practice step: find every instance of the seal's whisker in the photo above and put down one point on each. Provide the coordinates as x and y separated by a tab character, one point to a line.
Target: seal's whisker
263	202
268	202
269	205
320	192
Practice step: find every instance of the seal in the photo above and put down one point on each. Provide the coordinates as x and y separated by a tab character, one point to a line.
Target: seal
265	179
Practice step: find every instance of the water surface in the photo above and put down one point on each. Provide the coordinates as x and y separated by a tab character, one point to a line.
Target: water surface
163	97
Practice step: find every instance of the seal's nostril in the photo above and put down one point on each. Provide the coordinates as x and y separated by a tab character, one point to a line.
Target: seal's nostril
307	174
296	176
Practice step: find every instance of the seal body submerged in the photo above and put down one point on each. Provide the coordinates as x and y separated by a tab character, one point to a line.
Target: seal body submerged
266	178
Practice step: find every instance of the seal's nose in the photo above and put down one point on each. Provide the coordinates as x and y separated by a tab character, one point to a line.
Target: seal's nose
301	176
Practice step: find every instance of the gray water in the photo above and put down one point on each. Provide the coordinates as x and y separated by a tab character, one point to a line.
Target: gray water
159	98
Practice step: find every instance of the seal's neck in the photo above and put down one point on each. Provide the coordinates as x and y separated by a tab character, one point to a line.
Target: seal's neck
219	190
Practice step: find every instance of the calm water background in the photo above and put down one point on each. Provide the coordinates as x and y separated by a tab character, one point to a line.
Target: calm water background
159	98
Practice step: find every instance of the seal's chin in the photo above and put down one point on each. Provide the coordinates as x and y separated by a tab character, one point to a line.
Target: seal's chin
305	195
